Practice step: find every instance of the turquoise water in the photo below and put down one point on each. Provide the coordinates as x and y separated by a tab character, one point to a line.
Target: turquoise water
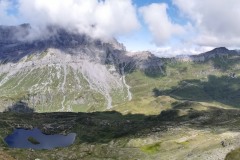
19	139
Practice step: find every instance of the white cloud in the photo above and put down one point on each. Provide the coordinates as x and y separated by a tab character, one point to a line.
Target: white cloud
159	23
210	22
216	22
97	18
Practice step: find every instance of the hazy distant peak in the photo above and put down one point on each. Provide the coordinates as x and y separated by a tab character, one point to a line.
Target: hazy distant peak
219	51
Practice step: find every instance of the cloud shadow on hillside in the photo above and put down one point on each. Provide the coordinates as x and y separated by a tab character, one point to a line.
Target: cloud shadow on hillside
225	63
19	107
225	89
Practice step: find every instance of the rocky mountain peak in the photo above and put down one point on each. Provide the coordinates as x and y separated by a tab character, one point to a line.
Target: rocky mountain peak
217	52
220	49
15	42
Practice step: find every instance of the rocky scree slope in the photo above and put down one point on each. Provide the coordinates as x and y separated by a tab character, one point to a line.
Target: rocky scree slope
65	71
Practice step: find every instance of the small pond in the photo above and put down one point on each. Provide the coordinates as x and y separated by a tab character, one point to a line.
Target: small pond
35	139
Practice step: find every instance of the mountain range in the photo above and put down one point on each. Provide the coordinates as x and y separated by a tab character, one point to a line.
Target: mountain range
131	105
81	71
74	72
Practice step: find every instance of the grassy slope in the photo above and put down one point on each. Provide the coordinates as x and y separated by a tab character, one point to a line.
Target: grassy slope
41	89
208	83
54	104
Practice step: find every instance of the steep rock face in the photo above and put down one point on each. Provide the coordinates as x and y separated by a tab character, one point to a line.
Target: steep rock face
15	43
60	81
65	71
145	61
59	73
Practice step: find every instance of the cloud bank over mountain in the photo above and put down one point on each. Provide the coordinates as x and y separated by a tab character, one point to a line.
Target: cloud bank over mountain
98	18
216	23
197	23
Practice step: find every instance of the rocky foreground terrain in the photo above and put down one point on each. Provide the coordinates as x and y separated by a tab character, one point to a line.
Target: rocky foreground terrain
206	134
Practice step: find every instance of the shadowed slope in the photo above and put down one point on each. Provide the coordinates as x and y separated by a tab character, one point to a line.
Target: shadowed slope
225	89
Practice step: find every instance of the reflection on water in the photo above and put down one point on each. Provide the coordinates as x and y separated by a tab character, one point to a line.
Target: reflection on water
22	138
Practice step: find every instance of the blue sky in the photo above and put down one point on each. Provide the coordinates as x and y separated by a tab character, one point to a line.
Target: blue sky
139	24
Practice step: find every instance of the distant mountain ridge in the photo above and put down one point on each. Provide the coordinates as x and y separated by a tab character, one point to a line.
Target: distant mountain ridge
221	51
216	52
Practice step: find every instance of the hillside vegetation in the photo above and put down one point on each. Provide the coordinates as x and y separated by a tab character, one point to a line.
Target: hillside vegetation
209	83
